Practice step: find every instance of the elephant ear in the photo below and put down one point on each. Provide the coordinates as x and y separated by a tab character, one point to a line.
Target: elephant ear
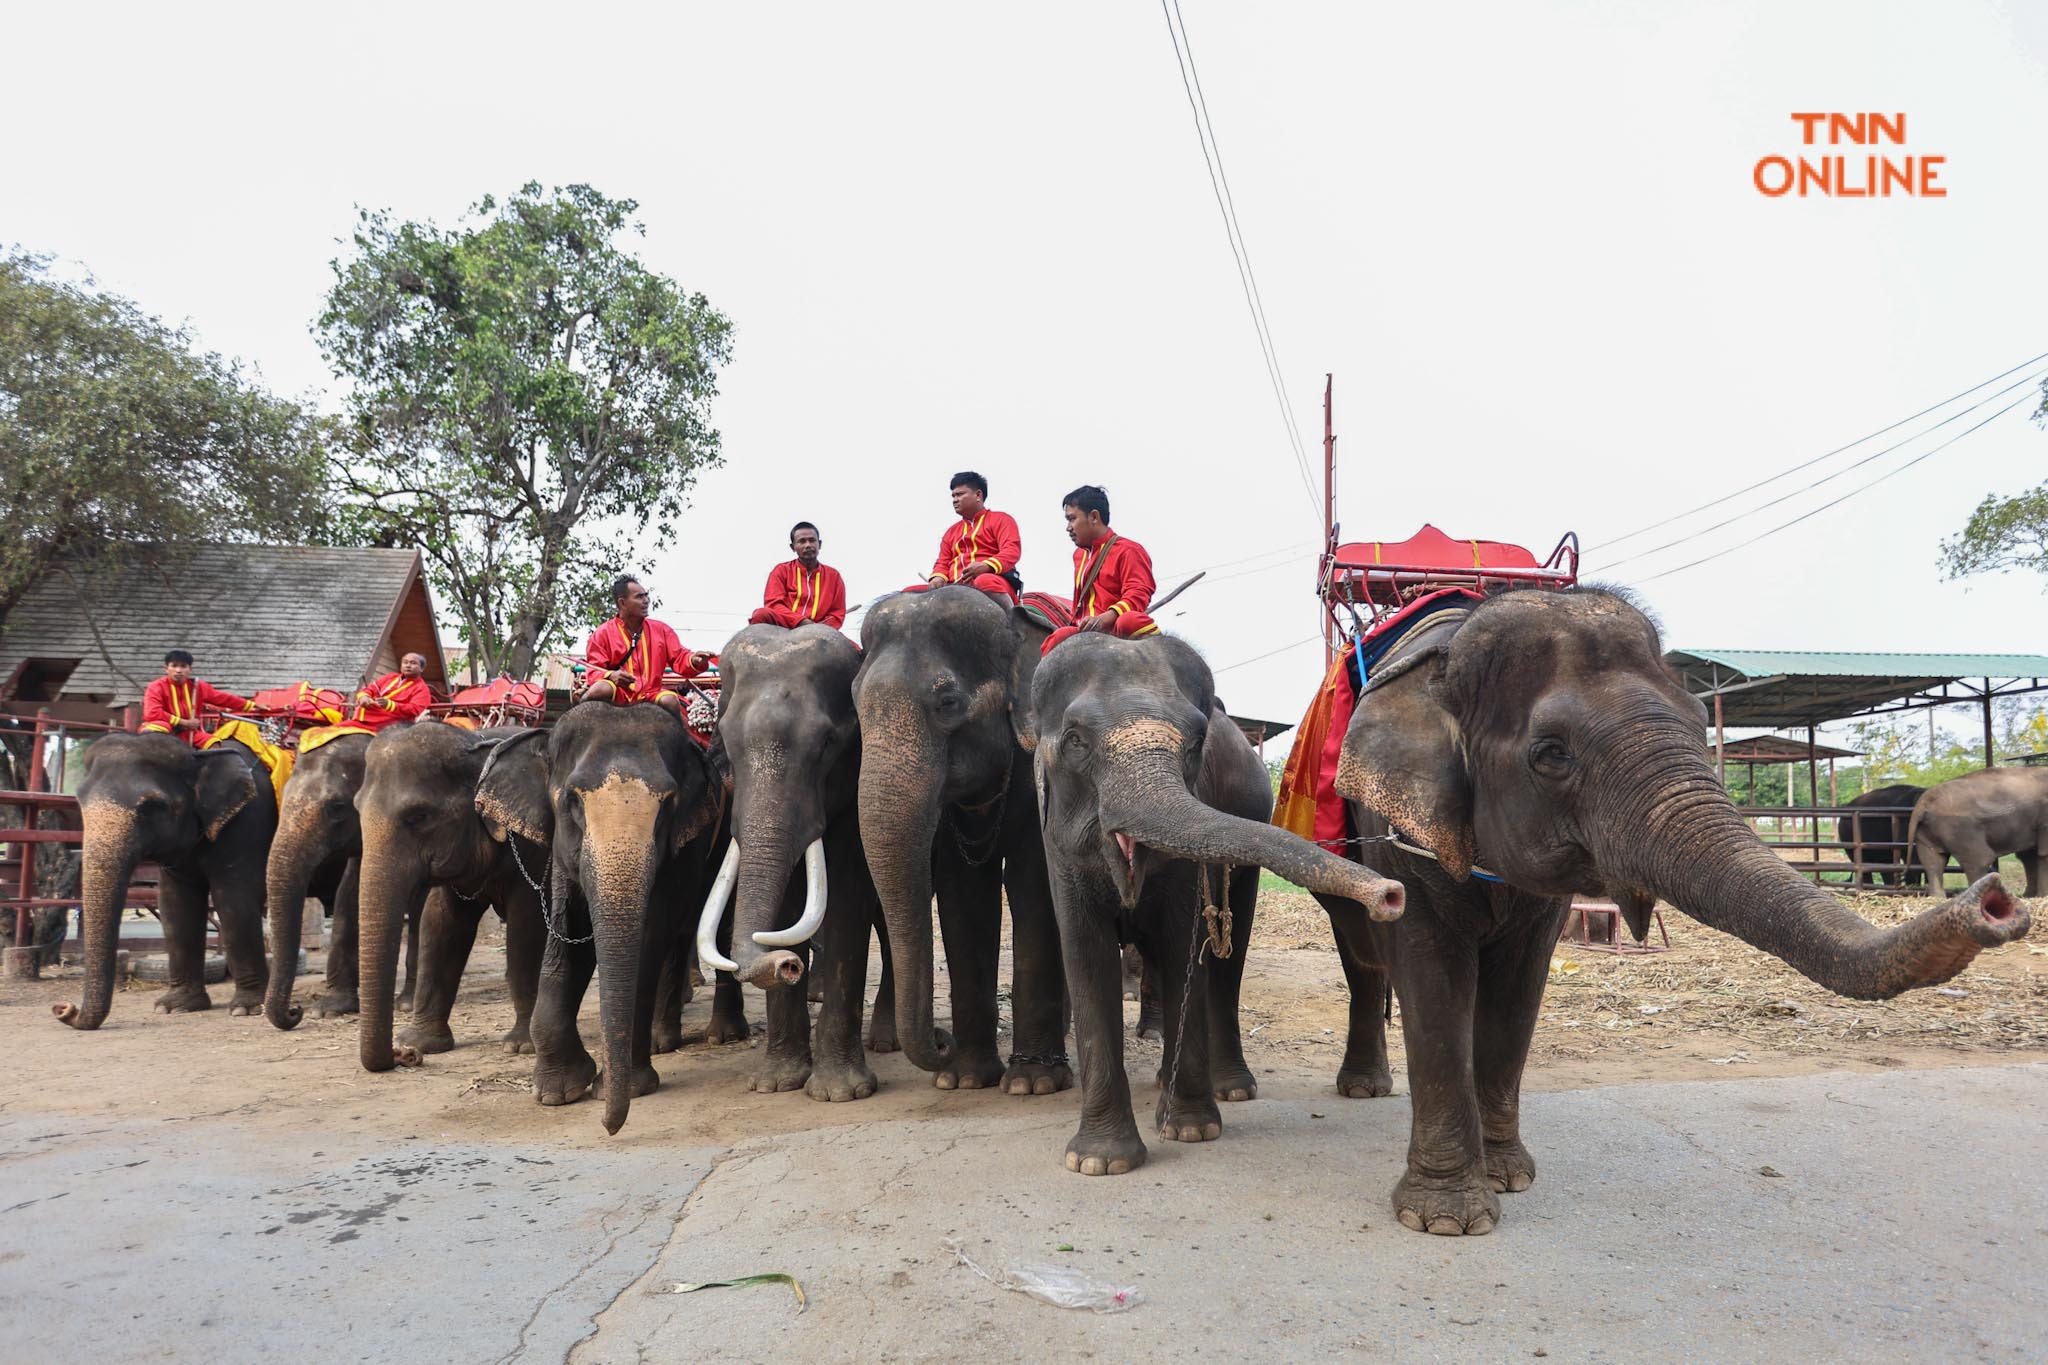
1404	761
512	789
1025	642
711	806
222	788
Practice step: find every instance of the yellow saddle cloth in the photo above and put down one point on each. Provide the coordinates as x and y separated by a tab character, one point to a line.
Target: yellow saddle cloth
278	760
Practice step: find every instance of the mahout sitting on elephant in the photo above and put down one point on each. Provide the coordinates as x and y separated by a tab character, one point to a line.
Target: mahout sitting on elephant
633	809
206	818
428	857
1534	747
1150	796
1979	818
945	806
795	868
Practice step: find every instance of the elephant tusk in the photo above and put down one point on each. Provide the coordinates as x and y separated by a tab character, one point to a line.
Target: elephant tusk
814	904
714	909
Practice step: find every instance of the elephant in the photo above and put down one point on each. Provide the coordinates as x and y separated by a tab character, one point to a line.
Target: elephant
1150	798
428	855
1881	838
1978	819
317	851
787	727
1501	759
632	808
945	804
206	818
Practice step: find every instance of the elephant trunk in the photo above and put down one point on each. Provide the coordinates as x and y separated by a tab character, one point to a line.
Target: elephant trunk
297	850
766	850
389	885
1146	800
618	869
107	866
899	817
1689	846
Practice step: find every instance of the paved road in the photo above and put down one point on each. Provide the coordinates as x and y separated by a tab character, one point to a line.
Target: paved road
1907	1218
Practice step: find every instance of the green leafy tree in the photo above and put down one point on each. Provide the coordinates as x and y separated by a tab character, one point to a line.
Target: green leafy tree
113	429
2002	534
527	401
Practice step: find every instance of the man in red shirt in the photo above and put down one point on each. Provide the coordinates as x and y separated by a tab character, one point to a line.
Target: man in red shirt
802	589
628	654
1112	576
171	704
395	697
982	548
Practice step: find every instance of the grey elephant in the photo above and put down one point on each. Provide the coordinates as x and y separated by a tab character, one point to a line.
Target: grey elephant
795	869
428	856
316	852
632	809
1149	795
1978	819
1533	746
206	818
1880	838
946	808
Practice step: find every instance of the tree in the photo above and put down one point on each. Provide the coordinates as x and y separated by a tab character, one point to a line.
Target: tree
2003	533
520	385
113	429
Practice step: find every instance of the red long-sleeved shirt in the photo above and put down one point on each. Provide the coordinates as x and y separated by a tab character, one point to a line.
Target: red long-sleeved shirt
391	699
1125	582
988	543
165	703
611	648
808	594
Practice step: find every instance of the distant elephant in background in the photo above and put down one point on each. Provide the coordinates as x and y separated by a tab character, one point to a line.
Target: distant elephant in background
1881	838
1978	819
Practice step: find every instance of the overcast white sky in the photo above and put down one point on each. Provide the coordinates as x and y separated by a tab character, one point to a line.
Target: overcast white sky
1523	237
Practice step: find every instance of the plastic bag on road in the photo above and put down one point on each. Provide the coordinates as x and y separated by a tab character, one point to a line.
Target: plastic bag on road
1059	1285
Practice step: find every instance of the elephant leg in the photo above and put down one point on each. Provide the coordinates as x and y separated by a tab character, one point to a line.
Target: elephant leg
447	933
344	971
1445	1188
786	1060
563	1069
728	1007
238	908
970	922
526	939
1187	1110
1512	975
882	1024
839	1067
1232	1077
1364	1073
1933	862
654	952
413	920
181	905
2030	861
672	991
1149	1023
1038	993
1107	1141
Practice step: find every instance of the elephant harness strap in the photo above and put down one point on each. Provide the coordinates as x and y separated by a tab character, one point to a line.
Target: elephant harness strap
1216	912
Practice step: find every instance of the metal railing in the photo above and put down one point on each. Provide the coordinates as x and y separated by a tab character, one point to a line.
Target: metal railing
1805	835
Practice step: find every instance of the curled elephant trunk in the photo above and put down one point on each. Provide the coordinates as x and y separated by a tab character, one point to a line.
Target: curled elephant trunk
106	867
286	877
1153	807
763	873
899	817
389	888
1696	852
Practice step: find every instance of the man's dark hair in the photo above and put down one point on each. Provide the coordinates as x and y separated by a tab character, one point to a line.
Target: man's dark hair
971	480
1088	498
804	526
178	656
620	585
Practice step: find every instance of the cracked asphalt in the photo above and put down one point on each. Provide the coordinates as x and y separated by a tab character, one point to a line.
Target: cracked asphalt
1830	1216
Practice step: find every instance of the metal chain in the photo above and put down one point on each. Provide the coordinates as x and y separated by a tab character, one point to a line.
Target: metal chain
546	914
1040	1059
1195	940
995	832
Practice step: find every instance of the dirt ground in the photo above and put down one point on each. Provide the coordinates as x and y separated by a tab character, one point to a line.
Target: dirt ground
1708	1006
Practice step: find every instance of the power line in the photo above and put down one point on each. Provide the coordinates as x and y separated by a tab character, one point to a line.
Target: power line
2023	398
1783	473
2027	383
1212	160
1311	640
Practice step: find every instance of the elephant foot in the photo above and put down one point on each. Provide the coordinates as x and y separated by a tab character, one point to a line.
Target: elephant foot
1364	1083
1509	1167
780	1072
667	1037
1184	1120
975	1070
1033	1076
245	1003
335	1003
1112	1154
517	1040
434	1037
1463	1205
882	1035
184	1000
814	994
646	1080
838	1084
1235	1084
566	1081
727	1027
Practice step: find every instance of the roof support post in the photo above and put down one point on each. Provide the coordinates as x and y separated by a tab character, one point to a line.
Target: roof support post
1720	744
1989	761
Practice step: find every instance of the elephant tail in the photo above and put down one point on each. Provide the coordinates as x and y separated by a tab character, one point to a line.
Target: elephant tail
1912	847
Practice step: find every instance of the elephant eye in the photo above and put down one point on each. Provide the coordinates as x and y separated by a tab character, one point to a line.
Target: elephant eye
1550	758
1074	741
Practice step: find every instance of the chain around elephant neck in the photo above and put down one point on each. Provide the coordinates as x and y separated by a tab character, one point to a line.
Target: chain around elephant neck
546	913
994	836
1196	938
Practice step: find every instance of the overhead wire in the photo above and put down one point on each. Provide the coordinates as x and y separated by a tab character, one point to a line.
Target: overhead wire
1311	640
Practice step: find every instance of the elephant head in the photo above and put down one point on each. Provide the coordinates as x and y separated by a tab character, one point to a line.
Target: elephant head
1544	738
943	695
420	828
151	798
787	725
626	798
317	826
1122	729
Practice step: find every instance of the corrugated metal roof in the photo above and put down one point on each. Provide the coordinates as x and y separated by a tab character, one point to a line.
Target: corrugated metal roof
1763	663
1782	688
